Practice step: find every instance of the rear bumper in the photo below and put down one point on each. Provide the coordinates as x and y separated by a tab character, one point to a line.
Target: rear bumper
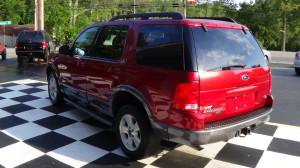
219	133
297	63
30	53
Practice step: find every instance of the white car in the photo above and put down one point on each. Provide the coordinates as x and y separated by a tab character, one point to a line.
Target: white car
267	55
297	63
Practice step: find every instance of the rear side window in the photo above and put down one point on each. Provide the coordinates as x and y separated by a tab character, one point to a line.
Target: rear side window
161	46
111	42
31	37
226	49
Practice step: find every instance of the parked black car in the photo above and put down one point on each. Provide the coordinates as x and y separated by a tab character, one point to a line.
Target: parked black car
33	44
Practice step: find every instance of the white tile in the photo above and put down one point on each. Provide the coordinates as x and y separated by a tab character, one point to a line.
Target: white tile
75	115
44	87
12	94
7	102
152	159
78	130
208	151
19	87
17	154
221	164
278	160
26	81
256	141
43	94
290	133
33	115
26	131
4	114
150	166
77	154
39	103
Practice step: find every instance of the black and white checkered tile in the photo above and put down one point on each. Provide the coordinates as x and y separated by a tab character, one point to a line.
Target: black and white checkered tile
35	134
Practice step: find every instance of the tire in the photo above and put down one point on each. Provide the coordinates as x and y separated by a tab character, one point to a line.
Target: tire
54	92
4	56
46	55
146	143
20	60
297	70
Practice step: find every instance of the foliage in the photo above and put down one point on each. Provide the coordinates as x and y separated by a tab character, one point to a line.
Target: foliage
64	19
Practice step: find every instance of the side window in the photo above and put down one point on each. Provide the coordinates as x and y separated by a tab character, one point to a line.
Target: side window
111	42
83	44
161	46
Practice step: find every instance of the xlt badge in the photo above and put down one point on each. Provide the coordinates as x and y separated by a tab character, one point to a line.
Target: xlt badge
245	77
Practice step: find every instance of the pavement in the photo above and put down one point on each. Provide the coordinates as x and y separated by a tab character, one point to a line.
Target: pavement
33	133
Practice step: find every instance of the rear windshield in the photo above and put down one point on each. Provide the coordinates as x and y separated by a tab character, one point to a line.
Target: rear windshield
31	36
227	49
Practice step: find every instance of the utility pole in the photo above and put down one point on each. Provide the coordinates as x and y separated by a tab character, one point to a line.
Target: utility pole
39	15
133	6
283	32
184	8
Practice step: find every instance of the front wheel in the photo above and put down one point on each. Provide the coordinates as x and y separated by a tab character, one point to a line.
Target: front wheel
55	94
20	60
134	133
297	70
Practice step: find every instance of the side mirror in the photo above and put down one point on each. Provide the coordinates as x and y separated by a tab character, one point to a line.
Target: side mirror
65	49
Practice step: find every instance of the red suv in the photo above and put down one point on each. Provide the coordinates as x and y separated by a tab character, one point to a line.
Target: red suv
190	81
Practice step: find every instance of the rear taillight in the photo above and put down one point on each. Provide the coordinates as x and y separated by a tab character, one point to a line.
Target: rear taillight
186	97
16	45
297	55
44	44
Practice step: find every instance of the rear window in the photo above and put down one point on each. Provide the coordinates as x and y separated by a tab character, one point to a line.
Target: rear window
227	49
31	36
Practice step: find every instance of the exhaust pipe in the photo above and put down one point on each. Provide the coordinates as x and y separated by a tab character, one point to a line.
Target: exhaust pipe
245	132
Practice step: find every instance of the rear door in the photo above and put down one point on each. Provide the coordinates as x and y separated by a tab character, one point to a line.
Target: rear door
234	75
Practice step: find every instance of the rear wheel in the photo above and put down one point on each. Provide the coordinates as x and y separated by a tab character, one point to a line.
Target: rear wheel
3	56
55	94
297	70
134	133
46	55
20	60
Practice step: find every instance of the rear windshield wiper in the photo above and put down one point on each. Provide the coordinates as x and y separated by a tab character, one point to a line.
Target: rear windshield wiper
229	67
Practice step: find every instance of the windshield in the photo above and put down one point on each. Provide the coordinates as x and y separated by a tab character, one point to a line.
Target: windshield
226	49
31	36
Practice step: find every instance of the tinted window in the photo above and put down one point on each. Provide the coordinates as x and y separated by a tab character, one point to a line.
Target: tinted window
31	37
111	42
225	49
83	44
161	46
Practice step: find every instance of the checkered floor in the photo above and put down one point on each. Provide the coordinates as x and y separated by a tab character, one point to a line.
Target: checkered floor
35	134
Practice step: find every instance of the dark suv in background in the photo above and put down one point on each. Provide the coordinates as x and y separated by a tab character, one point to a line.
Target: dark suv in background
33	44
190	81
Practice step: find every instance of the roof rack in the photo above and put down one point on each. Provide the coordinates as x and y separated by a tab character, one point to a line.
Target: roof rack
216	18
173	15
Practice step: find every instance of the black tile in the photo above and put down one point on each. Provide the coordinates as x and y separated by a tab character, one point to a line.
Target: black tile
9	85
180	159
105	140
239	155
49	141
6	140
285	146
1	166
31	90
266	130
14	109
25	98
1	98
11	121
36	84
55	122
4	90
168	144
44	162
114	161
96	123
57	110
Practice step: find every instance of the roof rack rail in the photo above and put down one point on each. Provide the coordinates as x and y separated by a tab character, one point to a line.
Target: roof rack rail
215	18
173	15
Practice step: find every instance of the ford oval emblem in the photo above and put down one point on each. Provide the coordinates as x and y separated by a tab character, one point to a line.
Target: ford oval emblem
245	77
